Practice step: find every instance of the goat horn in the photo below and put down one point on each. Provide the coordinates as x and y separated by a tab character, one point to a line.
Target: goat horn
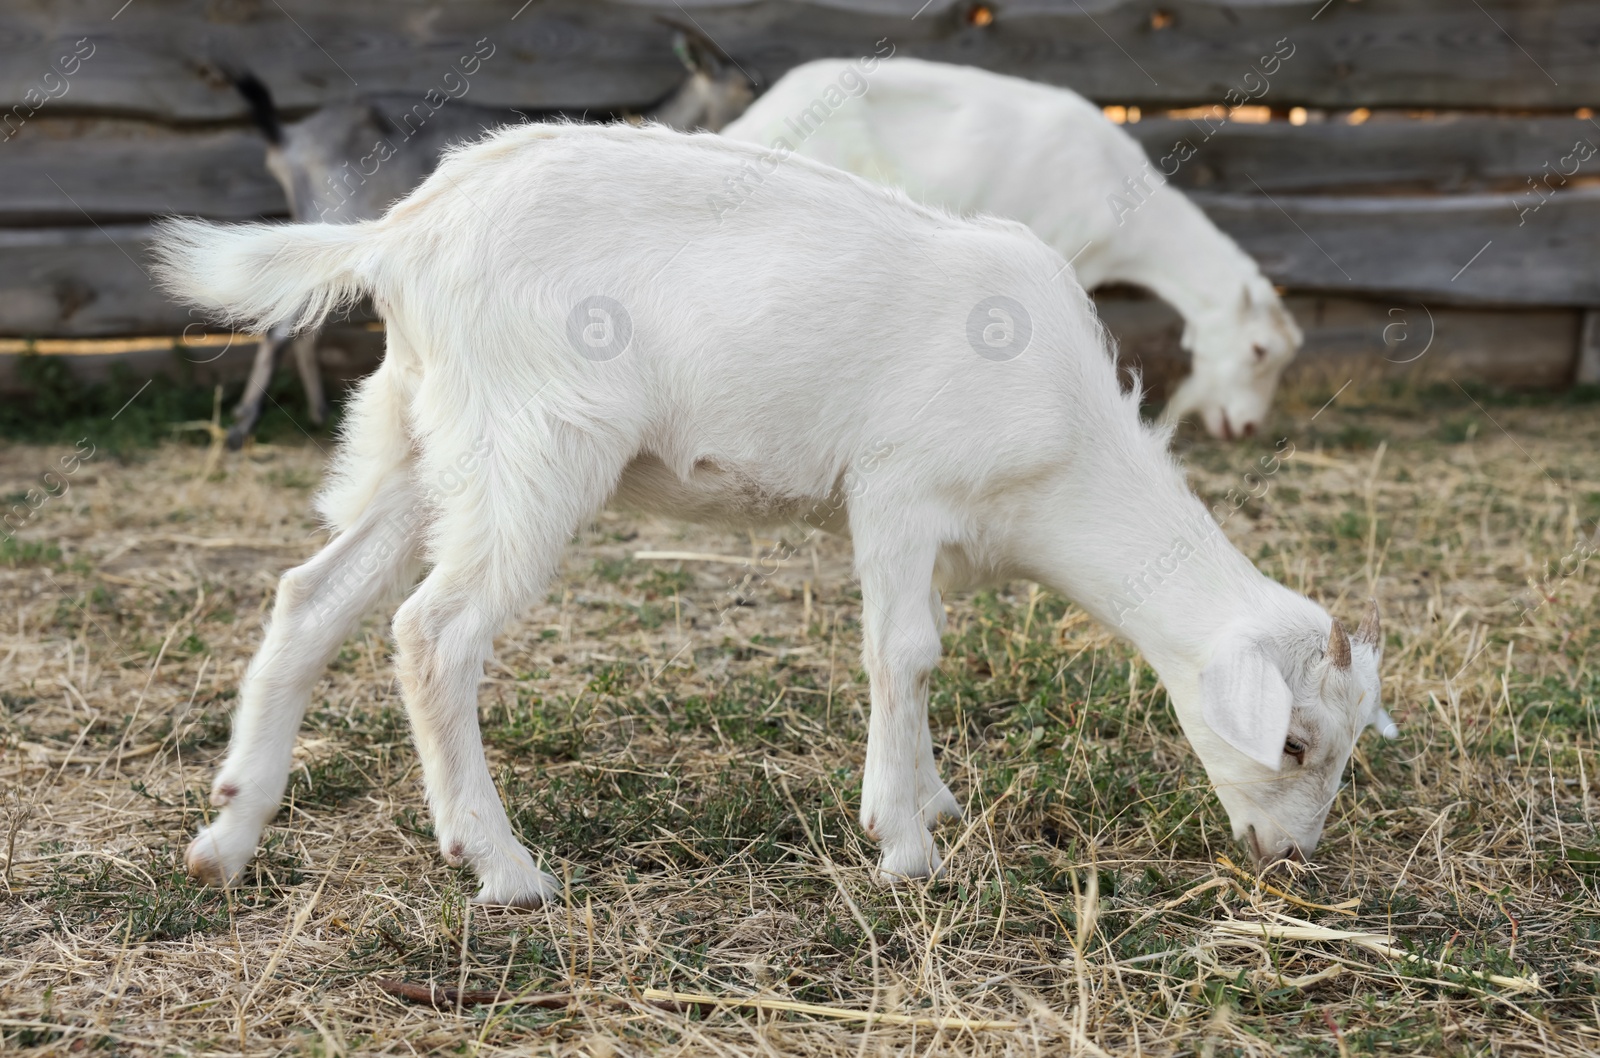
1369	632
1339	646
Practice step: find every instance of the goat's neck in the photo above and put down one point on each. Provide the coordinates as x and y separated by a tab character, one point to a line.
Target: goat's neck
1141	553
685	107
1203	275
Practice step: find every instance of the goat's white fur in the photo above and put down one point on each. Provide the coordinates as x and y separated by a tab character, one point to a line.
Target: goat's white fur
772	351
979	142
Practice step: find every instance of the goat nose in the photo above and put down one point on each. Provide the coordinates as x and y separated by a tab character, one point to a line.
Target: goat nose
1290	853
1255	845
1272	864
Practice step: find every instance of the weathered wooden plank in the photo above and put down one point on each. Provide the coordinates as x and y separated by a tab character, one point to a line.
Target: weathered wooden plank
73	170
1369	339
1451	154
157	58
1397	338
75	282
85	282
162	59
59	169
1460	249
1588	370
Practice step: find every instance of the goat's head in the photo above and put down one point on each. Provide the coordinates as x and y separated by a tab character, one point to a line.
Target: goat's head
1239	352
717	91
1279	711
332	165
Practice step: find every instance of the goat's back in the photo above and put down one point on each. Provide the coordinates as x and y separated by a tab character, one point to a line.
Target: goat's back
771	306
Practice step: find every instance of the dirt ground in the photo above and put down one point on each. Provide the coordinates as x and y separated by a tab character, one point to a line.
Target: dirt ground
691	767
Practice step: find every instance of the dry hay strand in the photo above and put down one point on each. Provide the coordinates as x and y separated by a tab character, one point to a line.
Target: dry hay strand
1347	907
1297	929
667	999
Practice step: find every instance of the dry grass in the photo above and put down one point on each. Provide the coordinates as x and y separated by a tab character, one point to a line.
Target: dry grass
696	782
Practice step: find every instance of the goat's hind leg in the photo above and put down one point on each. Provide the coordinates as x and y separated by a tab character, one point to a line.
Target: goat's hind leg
310	370
248	411
494	552
317	605
444	633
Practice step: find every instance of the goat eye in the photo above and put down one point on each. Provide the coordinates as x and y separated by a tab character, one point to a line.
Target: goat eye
1261	352
1296	749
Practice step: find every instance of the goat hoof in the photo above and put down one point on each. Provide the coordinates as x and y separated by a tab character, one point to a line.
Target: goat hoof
217	857
940	806
918	862
516	885
529	894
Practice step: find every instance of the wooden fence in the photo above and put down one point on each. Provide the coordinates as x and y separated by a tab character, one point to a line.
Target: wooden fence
1440	160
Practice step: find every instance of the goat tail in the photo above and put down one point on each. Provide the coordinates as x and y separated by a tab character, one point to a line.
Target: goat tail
262	109
259	276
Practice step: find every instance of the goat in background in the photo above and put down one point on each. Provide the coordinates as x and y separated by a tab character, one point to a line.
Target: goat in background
979	142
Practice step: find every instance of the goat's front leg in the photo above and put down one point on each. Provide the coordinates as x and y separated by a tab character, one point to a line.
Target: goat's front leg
900	648
938	803
317	605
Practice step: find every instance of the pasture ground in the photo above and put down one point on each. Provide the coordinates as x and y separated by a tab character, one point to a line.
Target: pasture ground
696	783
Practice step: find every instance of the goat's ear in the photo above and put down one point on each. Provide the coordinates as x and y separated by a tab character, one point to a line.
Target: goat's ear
696	53
684	51
1370	631
1384	724
1245	700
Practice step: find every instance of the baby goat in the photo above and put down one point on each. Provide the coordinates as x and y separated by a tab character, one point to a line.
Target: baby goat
979	142
568	323
352	161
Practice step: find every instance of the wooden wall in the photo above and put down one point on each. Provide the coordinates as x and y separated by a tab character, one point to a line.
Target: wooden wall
112	114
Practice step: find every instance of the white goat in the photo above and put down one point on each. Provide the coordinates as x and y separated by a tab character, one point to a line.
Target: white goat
568	323
978	142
